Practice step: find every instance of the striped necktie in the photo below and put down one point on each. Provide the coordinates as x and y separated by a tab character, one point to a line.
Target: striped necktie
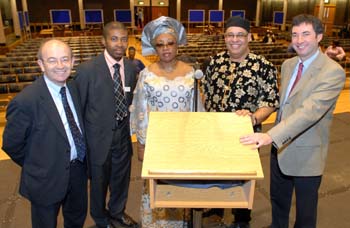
120	101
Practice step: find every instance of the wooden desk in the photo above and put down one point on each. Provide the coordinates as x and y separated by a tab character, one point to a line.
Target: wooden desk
199	146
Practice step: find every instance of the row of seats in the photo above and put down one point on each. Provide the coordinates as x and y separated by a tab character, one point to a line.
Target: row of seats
13	87
10	63
26	61
17	58
34	47
13	78
19	68
344	43
330	39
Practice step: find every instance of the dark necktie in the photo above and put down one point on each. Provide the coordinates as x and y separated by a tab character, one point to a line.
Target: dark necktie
120	101
300	71
77	136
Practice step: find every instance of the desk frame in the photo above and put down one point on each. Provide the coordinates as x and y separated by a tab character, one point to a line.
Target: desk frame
172	132
171	196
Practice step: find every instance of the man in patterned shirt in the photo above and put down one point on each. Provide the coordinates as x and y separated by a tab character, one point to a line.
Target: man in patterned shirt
239	81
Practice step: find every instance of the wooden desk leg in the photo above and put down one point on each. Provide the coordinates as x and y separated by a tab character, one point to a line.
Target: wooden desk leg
152	187
250	194
197	218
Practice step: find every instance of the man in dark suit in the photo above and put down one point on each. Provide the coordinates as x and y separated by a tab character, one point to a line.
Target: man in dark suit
107	130
38	137
310	85
138	63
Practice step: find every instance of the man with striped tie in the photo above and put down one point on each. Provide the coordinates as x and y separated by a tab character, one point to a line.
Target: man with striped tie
106	83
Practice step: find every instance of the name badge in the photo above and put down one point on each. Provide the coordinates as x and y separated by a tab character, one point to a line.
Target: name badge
127	89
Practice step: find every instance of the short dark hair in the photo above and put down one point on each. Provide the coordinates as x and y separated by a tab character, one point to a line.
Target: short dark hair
308	19
132	48
113	25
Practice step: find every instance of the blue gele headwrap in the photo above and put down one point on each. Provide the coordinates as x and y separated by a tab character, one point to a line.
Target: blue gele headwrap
159	26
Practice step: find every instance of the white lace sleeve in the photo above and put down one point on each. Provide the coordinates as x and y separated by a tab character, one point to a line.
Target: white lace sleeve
139	110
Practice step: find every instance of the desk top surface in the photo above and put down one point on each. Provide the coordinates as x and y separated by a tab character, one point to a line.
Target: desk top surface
201	145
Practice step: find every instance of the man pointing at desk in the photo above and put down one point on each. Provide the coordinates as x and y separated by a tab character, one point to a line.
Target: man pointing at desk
311	83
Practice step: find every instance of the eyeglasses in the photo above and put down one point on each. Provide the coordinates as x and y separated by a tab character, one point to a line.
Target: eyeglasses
54	61
163	45
239	35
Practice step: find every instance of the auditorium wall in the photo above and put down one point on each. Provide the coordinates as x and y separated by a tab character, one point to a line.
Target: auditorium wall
39	9
296	7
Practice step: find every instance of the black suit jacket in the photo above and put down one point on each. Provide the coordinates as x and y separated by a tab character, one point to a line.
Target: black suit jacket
35	138
95	84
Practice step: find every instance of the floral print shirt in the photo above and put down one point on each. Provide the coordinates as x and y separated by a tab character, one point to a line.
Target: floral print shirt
229	86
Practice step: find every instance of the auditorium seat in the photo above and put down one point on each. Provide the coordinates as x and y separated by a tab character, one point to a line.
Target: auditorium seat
4	71
17	70
32	69
28	77
20	64
5	65
17	87
14	88
3	88
8	78
33	63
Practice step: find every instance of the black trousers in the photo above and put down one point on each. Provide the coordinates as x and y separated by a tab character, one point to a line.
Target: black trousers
281	192
113	175
242	215
74	205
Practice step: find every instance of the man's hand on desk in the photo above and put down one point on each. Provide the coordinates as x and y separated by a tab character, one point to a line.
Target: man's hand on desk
256	139
245	112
